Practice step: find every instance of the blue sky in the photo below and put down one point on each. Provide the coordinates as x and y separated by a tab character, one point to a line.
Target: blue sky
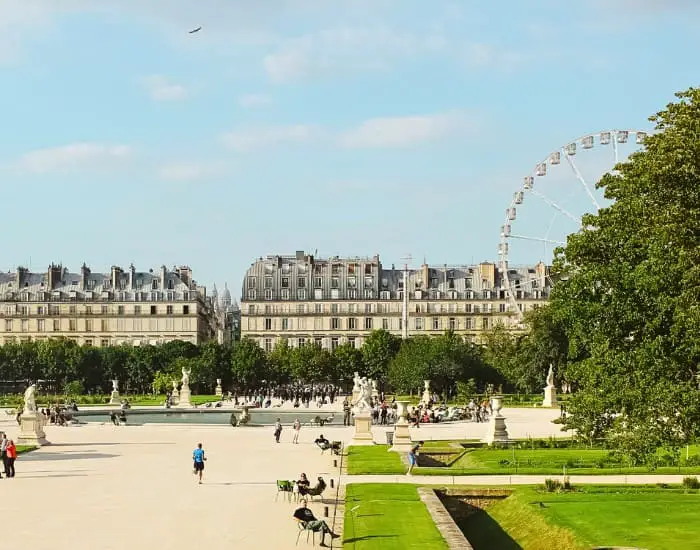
348	127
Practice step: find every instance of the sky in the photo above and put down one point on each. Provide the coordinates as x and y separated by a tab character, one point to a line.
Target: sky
344	127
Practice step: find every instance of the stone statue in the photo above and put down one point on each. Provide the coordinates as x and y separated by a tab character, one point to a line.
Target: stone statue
550	376
115	385
357	381
174	386
30	400
363	401
186	377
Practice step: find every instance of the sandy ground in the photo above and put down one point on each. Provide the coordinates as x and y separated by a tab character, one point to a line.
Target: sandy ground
108	487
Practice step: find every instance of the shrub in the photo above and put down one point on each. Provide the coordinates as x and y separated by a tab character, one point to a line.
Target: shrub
552	485
691	482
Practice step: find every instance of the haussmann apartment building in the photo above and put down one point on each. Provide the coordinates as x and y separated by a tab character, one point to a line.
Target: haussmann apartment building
330	301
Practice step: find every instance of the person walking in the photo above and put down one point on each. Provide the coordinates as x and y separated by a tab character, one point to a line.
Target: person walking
278	430
3	449
346	412
11	451
413	457
297	429
199	458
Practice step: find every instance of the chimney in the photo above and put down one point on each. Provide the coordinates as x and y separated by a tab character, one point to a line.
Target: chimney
425	275
185	274
116	271
132	276
54	275
21	273
84	274
163	273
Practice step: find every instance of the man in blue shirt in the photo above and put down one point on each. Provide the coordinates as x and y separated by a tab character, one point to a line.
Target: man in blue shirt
199	458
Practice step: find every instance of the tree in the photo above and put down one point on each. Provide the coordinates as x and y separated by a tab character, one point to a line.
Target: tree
628	298
348	360
379	348
248	364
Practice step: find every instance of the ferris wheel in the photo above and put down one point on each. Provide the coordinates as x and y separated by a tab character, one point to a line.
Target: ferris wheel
558	203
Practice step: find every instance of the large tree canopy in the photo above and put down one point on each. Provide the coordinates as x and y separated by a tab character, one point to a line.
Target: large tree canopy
629	298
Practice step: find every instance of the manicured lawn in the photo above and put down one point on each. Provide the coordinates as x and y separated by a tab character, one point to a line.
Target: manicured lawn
645	517
390	517
479	460
21	449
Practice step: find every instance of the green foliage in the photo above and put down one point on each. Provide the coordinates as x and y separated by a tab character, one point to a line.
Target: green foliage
628	295
691	482
74	388
378	350
248	363
444	360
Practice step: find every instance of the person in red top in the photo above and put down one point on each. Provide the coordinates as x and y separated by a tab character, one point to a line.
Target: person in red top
11	451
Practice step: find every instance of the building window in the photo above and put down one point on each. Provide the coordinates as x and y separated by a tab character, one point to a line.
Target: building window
171	296
302	342
251	310
335	282
385	324
335	308
88	342
335	269
301	323
453	323
170	284
56	325
352	341
468	323
284	294
268	324
318	308
352	294
71	324
369	294
154	284
268	282
301	282
251	294
268	345
467	308
8	325
352	282
352	323
120	310
334	343
104	325
485	323
318	282
25	325
436	323
153	310
301	294
285	324
301	309
40	325
419	323
88	325
335	323
104	343
285	282
501	308
368	322
185	310
137	310
72	310
169	310
268	294
318	342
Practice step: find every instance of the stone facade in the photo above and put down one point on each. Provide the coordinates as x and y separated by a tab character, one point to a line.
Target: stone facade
330	301
103	309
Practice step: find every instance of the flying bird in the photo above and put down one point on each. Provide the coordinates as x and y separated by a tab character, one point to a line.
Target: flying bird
195	30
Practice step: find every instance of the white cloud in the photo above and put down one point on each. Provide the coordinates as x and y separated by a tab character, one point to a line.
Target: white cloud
406	131
256	138
249	101
189	171
347	49
480	55
74	156
161	89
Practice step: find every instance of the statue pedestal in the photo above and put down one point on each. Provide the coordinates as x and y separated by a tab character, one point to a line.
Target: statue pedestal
184	399
114	398
31	430
219	390
402	438
363	429
497	431
550	397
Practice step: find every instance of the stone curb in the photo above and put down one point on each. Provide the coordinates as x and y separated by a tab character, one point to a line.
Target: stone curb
443	520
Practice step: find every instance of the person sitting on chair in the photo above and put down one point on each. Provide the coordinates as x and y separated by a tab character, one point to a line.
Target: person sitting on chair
308	521
323	443
318	489
304	484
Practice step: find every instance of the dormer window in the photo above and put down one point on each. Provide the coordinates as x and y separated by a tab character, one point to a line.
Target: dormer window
171	284
154	284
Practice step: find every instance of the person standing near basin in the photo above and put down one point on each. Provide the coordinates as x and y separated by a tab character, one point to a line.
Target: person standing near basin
297	429
278	430
199	458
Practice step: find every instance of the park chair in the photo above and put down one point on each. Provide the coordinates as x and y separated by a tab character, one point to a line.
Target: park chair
316	491
284	486
303	526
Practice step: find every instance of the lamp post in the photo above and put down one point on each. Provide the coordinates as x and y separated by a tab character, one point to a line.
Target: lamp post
404	310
